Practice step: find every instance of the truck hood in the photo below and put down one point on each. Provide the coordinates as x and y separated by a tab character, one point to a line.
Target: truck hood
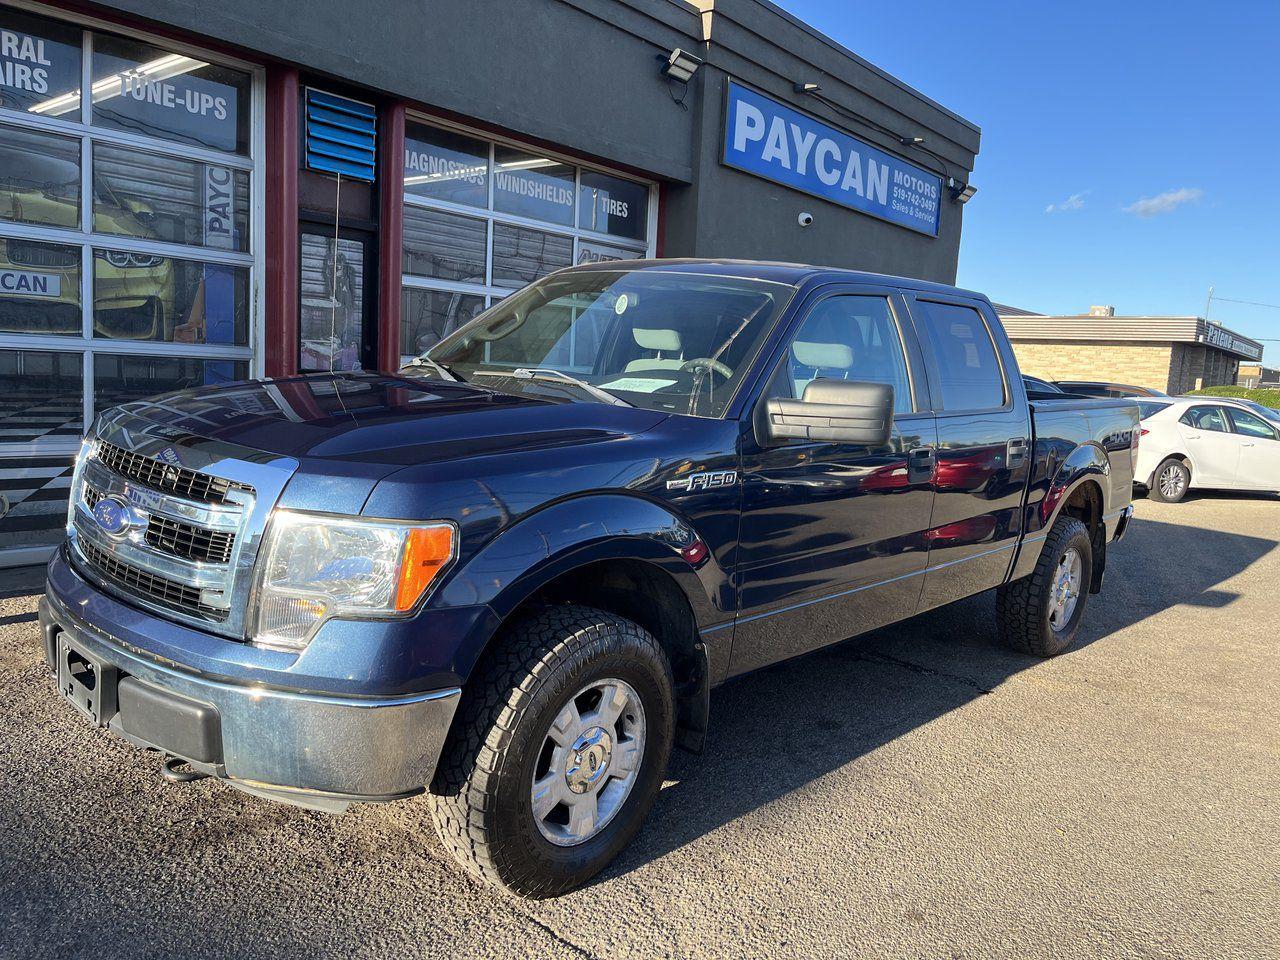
375	423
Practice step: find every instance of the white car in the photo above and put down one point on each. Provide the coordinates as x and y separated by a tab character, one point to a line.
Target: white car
1207	442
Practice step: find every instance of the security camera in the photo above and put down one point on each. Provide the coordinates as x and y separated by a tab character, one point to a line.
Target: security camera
805	219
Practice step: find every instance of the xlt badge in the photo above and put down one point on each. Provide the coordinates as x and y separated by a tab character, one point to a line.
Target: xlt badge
712	480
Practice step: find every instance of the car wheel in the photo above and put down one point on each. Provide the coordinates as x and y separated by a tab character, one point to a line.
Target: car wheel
558	750
1172	480
1040	613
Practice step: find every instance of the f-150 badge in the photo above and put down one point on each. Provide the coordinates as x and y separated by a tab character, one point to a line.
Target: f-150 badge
696	482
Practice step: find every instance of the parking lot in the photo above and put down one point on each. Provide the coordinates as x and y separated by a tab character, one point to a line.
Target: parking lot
919	792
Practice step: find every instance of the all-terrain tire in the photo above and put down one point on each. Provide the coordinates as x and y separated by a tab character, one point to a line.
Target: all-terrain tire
1179	481
481	794
1023	607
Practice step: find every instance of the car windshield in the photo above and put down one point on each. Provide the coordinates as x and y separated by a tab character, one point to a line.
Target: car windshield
1147	408
663	340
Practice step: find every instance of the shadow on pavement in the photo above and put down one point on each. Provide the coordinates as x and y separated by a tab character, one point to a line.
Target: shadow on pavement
776	730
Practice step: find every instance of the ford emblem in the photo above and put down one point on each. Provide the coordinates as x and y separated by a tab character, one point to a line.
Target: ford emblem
114	517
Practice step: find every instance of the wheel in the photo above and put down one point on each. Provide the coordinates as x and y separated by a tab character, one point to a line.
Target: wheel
1041	613
1171	482
557	752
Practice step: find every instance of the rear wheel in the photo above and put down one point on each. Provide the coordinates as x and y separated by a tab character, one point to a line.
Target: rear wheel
1041	613
558	750
1172	480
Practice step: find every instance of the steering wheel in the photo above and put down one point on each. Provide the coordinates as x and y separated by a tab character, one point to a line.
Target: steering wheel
698	364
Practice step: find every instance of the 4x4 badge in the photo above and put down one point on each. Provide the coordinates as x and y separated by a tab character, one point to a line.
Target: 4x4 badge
712	480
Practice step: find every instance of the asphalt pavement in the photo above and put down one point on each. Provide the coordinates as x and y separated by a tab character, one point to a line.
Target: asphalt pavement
918	792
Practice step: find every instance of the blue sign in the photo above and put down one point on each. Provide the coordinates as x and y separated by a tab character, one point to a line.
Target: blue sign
770	140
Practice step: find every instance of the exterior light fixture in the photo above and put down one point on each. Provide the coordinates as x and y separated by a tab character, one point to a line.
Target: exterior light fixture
961	192
680	66
806	88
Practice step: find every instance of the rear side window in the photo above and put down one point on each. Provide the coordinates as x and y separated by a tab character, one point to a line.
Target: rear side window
1206	418
1149	408
968	368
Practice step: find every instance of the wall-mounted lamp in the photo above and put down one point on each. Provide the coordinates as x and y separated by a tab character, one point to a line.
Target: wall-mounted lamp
680	66
806	87
961	192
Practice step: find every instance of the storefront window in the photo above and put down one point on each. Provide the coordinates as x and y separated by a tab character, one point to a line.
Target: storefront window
39	65
593	251
119	378
39	178
521	255
153	196
151	91
142	296
530	186
443	165
612	205
445	246
39	287
332	321
428	316
41	399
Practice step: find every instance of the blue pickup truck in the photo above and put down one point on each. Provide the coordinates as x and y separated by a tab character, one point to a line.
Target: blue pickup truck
511	574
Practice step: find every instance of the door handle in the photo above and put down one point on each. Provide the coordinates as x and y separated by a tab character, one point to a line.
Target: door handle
1246	443
1193	436
1016	452
920	464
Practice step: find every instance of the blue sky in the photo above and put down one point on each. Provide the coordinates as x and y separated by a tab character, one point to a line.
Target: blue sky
1091	109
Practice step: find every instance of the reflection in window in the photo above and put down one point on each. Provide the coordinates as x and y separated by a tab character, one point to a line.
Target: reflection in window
444	165
39	287
332	321
612	205
122	379
42	394
531	186
155	197
521	255
148	90
39	65
444	245
428	316
968	368
142	296
39	178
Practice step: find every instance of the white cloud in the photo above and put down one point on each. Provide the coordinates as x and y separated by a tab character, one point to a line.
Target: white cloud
1073	202
1165	202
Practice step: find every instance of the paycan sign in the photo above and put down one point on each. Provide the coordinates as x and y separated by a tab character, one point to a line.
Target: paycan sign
770	140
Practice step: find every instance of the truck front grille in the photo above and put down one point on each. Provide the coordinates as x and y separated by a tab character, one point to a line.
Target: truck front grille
152	586
189	541
162	476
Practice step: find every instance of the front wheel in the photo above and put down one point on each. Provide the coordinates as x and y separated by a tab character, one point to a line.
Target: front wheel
1172	481
558	750
1041	613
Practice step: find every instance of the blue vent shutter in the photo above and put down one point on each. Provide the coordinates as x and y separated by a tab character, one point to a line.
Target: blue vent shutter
342	136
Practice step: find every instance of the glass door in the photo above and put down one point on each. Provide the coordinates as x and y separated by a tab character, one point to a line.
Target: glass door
336	324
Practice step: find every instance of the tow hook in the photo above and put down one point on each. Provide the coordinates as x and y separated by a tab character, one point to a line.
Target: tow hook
177	770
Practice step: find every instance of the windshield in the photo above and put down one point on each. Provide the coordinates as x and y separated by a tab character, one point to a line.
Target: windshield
667	341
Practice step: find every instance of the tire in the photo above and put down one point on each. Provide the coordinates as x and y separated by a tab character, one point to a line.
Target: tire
1178	478
504	738
1026	608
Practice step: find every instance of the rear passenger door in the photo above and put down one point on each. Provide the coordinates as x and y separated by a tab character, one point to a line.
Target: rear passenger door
1214	449
984	446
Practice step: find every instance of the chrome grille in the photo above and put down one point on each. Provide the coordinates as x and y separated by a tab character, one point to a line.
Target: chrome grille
31	254
189	541
165	477
156	588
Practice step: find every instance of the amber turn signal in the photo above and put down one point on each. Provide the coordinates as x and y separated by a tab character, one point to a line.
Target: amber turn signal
426	551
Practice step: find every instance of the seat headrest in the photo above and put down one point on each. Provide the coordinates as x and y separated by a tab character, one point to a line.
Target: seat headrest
824	356
648	339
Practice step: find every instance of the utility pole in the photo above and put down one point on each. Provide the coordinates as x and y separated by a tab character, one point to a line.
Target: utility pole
1208	302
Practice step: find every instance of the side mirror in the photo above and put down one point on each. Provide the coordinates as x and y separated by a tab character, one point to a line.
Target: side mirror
839	411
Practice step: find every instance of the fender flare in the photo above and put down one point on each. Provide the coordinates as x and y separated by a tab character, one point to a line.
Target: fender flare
1087	463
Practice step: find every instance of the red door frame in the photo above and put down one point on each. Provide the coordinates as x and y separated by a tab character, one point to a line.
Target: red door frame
280	285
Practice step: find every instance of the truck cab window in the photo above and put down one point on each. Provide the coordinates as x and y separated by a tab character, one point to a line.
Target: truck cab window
847	338
968	367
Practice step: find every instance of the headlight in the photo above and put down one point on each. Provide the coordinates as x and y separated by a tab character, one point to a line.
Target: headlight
77	482
124	260
313	567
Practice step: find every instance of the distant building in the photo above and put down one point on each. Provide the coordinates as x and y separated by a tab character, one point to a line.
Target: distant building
1256	375
1173	354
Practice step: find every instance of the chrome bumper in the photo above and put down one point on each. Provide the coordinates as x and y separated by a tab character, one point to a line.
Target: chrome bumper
312	750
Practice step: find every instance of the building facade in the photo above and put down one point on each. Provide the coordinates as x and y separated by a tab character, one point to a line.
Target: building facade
192	194
1253	375
1172	354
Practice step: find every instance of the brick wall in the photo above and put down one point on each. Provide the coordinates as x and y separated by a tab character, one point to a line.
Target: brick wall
1140	364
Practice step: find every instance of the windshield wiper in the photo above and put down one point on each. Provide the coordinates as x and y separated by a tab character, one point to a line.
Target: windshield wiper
425	361
557	376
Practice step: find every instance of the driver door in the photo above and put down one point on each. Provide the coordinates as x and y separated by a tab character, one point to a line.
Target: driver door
832	538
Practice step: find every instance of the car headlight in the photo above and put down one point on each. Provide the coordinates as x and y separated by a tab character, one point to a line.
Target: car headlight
313	567
77	481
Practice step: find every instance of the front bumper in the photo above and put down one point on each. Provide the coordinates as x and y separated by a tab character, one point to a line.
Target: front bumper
300	747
